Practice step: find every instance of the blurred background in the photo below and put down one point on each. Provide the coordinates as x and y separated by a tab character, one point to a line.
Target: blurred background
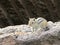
16	12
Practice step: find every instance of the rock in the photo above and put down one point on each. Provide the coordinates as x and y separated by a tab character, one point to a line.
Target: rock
17	28
50	24
8	40
49	37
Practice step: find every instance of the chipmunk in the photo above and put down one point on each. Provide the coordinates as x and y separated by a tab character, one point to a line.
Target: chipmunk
37	24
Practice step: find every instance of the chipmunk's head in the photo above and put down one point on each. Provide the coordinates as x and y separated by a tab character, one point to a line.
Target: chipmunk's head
31	21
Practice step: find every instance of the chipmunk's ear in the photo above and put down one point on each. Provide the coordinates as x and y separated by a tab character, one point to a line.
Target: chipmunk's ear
31	18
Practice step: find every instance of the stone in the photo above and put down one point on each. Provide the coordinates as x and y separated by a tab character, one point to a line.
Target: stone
49	37
8	40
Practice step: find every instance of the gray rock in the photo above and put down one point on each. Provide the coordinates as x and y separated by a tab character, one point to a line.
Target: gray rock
50	37
8	40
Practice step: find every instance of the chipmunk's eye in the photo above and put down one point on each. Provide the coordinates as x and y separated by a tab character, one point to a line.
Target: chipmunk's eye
32	22
34	19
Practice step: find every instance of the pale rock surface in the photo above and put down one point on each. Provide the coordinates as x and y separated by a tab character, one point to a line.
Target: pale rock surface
8	40
50	24
23	35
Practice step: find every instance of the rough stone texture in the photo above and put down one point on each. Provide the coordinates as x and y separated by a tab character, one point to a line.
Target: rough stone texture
7	41
49	37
